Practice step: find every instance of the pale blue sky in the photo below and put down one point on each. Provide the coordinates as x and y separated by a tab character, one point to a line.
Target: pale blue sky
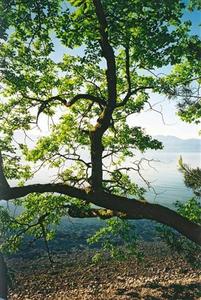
169	124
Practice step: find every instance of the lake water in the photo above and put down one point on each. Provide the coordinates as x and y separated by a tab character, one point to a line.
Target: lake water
166	179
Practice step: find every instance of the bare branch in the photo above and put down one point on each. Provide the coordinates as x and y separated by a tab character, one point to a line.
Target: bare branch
131	93
157	111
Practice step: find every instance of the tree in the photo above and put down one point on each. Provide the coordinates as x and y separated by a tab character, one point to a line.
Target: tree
87	99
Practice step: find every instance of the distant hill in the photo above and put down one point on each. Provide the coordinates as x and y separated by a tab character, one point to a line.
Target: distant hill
175	144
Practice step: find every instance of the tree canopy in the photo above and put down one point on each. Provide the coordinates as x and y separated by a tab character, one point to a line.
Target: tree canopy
121	47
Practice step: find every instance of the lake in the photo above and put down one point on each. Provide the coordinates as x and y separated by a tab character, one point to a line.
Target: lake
166	179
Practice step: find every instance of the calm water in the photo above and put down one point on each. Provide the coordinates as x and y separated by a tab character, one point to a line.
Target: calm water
167	180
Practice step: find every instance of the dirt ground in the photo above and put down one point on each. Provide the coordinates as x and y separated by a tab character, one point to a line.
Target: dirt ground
161	275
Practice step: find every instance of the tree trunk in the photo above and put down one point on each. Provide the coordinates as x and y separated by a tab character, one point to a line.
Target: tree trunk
3	279
96	159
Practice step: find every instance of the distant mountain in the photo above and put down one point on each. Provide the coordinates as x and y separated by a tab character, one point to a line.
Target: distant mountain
175	144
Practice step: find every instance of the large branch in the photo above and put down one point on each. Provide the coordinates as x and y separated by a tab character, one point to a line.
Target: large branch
95	99
61	98
133	208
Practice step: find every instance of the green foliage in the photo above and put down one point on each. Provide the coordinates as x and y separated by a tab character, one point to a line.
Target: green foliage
194	4
117	239
191	209
4	222
191	113
13	167
37	217
192	177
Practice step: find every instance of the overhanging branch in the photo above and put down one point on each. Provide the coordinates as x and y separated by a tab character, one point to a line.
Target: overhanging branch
131	207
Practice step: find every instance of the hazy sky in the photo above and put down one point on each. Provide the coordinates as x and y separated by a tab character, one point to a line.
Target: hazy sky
168	124
153	122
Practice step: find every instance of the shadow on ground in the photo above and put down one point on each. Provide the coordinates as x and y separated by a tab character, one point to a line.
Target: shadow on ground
157	291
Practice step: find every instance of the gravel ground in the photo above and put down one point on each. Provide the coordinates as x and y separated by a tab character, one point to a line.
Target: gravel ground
161	275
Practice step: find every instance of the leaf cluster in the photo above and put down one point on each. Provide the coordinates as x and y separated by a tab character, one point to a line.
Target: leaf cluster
117	239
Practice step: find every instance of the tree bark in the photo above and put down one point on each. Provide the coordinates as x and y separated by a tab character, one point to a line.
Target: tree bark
96	160
3	279
4	186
